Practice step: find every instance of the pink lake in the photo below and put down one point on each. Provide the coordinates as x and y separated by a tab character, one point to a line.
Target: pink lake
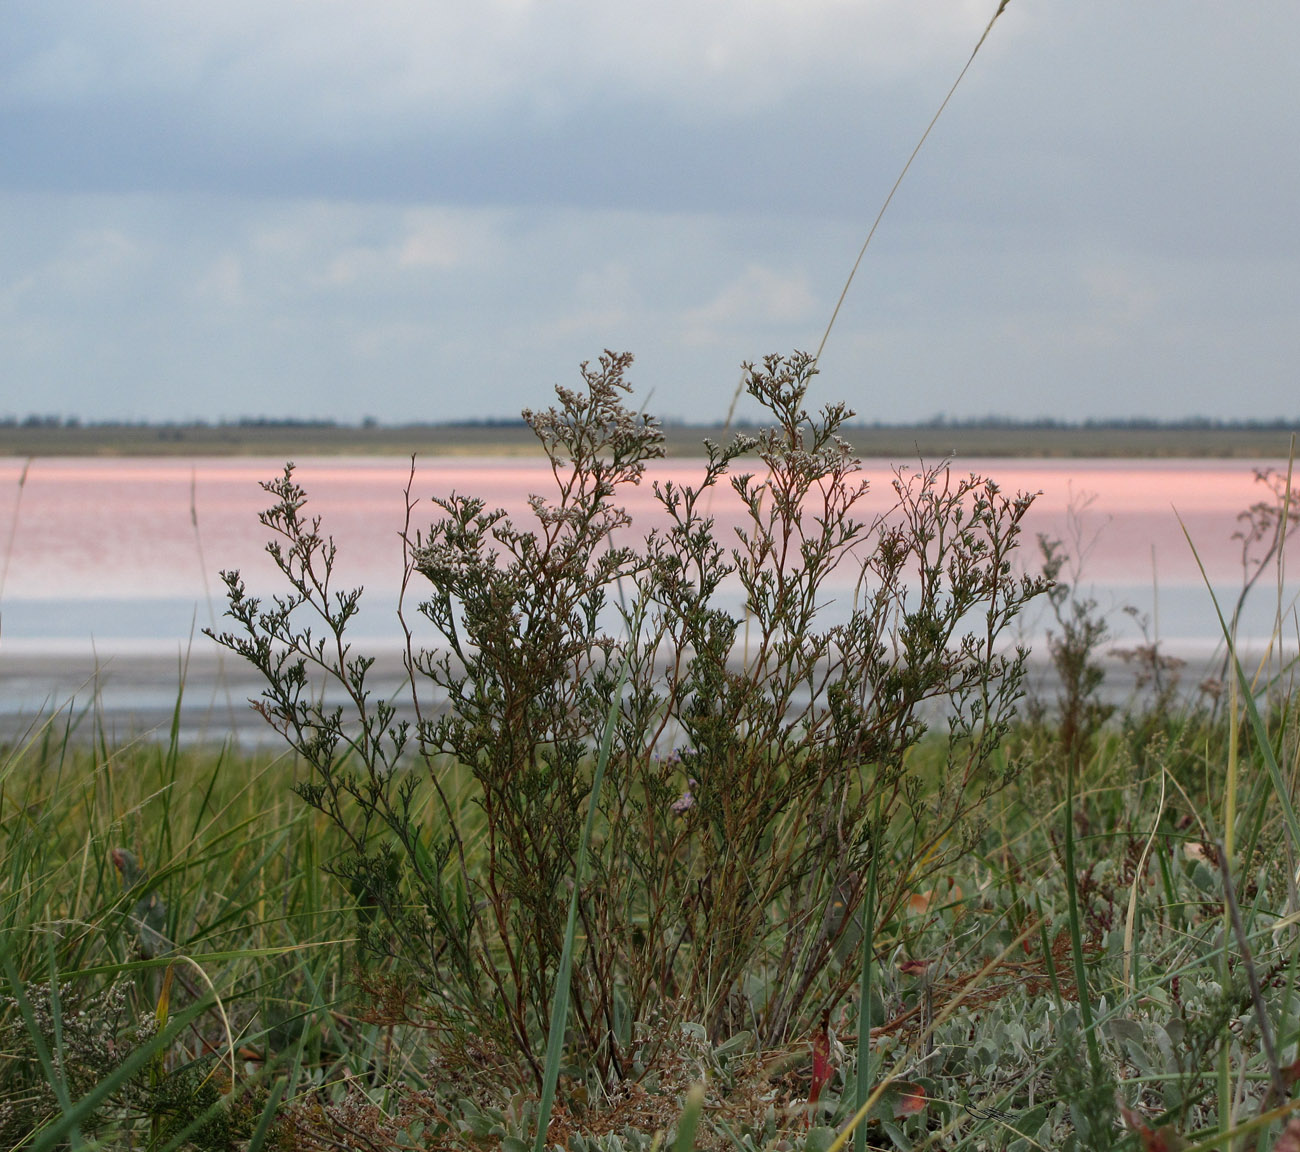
134	531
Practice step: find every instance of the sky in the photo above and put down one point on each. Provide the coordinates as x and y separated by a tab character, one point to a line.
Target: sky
427	210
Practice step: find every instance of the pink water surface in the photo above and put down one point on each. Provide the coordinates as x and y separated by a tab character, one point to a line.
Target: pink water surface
140	528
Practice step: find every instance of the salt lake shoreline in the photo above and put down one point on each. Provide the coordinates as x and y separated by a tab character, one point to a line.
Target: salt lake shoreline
132	695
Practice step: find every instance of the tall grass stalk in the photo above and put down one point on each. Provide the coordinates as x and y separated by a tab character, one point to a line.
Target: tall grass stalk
1131	915
1242	694
903	173
208	601
12	533
1263	742
1243	944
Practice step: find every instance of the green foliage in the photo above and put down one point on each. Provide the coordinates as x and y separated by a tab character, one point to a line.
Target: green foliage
1073	648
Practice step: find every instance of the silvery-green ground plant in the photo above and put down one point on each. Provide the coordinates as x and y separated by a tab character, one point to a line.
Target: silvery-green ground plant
760	754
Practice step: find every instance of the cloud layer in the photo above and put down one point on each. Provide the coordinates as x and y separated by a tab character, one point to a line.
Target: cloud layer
423	210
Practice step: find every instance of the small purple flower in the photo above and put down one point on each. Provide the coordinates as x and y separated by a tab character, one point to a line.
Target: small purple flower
685	801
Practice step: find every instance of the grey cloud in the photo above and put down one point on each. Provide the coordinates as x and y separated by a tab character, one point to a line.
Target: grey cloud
223	211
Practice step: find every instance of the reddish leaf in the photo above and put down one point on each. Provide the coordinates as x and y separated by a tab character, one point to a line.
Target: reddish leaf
911	1099
918	903
1289	1141
914	967
821	1049
1162	1139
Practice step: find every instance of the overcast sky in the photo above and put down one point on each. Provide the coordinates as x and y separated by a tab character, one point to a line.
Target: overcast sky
435	209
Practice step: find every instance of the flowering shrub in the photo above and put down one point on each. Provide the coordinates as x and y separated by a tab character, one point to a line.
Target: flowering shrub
727	878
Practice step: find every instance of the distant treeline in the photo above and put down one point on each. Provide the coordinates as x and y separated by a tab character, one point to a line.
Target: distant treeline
278	422
933	439
1277	423
369	423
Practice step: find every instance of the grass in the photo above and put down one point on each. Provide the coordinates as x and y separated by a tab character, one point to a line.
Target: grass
229	910
980	1034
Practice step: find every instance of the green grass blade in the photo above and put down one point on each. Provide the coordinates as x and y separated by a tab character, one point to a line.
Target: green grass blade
1280	790
863	1078
690	1120
1076	935
560	998
263	1129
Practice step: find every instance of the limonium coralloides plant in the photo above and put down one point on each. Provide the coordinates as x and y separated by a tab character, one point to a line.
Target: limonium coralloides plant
760	756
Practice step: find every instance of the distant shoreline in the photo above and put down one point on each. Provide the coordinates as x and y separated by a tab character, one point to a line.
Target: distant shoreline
128	696
293	440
